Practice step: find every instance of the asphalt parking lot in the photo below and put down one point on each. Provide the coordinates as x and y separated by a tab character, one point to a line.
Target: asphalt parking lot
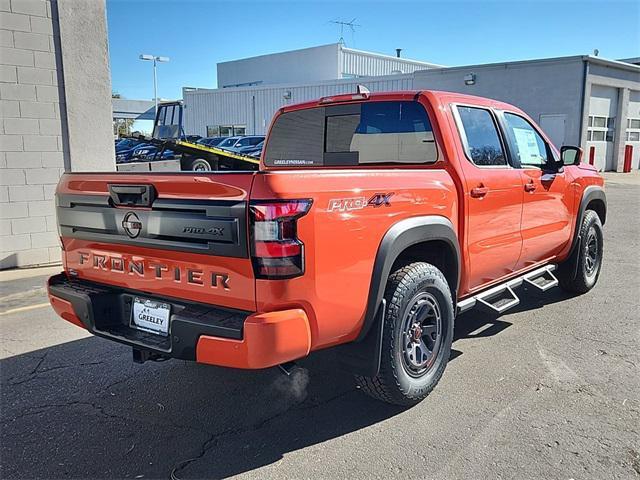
549	390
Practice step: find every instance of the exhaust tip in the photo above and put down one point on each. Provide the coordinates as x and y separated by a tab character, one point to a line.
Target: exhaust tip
287	368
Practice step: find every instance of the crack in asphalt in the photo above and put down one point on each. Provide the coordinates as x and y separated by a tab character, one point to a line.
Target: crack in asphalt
103	411
214	438
35	373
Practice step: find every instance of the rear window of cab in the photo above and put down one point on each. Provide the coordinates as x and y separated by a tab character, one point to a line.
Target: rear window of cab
368	133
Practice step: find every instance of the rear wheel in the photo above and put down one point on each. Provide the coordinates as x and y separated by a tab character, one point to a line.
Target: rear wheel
580	272
196	165
417	336
200	165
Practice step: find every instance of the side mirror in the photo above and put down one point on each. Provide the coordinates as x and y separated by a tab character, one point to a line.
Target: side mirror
571	155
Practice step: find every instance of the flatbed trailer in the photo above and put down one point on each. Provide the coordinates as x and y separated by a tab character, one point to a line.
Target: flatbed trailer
197	157
168	134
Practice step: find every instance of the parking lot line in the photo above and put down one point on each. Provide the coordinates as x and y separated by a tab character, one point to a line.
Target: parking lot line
24	309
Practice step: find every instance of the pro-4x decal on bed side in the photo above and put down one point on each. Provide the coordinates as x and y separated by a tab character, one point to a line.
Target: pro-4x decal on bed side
358	203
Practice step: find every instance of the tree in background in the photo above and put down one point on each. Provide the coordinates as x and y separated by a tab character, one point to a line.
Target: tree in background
121	126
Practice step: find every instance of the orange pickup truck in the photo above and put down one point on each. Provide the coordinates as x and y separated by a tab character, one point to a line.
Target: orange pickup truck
373	221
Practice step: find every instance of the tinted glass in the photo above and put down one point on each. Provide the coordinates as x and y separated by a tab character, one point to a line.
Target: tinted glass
367	133
483	145
393	117
229	142
340	130
526	144
168	122
599	122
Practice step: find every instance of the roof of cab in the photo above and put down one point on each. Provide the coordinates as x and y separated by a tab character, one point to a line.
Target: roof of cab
437	95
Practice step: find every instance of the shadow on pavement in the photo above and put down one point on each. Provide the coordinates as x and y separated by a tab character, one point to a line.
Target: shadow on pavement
83	409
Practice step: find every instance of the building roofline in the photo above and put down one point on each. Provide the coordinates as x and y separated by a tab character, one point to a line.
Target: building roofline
584	58
613	63
275	86
390	57
340	47
279	53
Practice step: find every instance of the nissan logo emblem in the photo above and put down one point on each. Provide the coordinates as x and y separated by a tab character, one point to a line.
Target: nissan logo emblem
132	225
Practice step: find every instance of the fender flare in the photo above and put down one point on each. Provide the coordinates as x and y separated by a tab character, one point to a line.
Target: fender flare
592	192
398	238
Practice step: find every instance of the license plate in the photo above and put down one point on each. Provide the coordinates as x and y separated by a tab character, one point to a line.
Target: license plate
150	316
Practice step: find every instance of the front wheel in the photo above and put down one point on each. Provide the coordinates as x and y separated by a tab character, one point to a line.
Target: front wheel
580	272
417	335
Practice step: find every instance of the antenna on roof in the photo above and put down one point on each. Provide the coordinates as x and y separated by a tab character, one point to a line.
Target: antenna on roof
341	24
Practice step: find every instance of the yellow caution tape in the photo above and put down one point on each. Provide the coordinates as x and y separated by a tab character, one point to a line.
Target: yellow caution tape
218	151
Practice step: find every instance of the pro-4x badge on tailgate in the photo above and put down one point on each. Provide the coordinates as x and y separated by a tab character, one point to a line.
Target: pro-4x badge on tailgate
358	203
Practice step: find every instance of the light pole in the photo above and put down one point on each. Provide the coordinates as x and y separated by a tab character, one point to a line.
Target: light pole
155	75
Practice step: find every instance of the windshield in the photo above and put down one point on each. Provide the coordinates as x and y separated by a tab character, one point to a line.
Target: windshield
229	142
126	143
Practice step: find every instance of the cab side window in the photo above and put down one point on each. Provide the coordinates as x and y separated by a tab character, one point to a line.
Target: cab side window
526	145
480	137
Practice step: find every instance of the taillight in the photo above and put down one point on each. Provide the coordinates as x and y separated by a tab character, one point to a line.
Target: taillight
276	251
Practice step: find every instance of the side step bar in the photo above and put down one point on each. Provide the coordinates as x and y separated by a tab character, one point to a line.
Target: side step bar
502	297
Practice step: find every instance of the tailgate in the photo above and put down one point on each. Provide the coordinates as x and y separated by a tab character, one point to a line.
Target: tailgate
172	235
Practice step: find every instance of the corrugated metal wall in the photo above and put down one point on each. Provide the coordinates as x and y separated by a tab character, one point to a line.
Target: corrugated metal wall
358	63
255	106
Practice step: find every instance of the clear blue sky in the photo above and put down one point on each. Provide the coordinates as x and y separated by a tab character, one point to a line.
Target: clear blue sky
198	34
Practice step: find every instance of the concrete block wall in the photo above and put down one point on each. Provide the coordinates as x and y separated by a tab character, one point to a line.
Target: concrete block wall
55	116
32	155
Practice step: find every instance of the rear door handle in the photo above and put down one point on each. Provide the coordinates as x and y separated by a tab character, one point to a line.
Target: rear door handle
479	191
529	187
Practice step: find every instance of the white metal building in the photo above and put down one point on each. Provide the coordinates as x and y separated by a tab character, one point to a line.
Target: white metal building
578	100
326	62
248	110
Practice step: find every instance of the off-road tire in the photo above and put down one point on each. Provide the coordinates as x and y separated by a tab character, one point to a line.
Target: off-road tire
575	274
394	384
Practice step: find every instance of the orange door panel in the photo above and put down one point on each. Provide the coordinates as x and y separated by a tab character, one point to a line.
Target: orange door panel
494	203
493	198
546	215
548	198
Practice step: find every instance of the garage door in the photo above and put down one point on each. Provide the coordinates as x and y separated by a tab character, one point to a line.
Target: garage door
603	106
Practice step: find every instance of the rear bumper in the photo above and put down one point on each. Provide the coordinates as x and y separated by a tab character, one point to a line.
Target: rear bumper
200	332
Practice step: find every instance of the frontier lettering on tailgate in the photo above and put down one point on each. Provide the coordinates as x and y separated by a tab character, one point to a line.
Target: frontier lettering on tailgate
157	270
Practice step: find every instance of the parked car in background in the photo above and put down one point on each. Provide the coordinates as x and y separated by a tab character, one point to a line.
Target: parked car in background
155	155
211	141
233	143
252	150
193	138
128	155
229	142
150	152
123	144
248	141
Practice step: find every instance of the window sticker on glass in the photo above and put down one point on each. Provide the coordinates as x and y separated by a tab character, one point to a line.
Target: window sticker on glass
528	146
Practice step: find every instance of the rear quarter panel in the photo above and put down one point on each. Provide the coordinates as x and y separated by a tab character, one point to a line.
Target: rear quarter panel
340	245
